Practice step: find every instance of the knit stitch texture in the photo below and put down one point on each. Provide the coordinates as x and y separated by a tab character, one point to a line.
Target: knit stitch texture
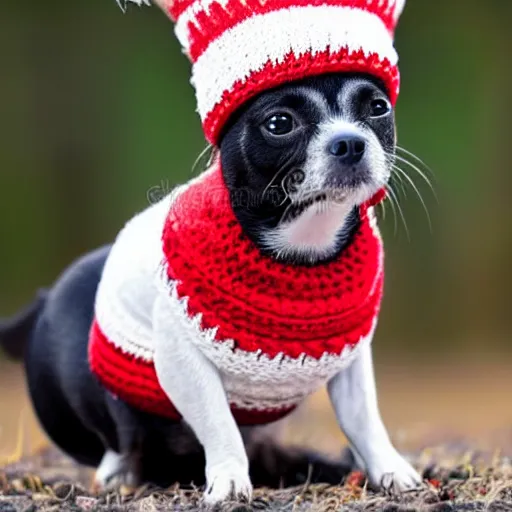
276	332
241	48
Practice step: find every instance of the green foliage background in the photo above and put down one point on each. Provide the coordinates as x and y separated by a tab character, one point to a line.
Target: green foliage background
96	108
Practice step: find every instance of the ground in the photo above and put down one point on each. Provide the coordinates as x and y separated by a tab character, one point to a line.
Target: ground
451	416
456	480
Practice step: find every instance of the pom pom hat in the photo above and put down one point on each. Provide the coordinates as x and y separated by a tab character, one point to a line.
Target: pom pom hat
239	48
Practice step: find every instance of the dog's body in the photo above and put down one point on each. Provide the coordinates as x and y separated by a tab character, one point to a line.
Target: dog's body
304	157
91	425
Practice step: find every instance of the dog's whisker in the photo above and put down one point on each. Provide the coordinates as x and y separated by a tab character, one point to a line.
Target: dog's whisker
393	194
273	181
391	162
285	213
201	155
277	175
393	209
382	207
413	185
417	169
418	159
420	172
399	181
403	158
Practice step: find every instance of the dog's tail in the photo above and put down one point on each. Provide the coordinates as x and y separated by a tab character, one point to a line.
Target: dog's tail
15	331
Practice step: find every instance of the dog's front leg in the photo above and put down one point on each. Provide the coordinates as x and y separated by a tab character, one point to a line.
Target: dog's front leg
194	386
354	397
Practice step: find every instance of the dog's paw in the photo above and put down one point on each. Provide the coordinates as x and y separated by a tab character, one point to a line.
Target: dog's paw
113	473
228	482
393	473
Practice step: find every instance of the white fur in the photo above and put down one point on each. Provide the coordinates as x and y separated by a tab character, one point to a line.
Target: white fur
313	234
234	56
110	465
195	386
354	398
318	159
113	470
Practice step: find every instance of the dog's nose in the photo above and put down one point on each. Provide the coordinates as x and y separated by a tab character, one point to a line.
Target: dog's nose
348	149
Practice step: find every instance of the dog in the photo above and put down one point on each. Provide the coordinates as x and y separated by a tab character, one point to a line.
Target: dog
298	161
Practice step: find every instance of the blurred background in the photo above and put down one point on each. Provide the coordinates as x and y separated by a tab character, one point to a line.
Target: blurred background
97	110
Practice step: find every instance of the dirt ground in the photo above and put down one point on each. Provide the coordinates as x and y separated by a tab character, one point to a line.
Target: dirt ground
456	479
454	421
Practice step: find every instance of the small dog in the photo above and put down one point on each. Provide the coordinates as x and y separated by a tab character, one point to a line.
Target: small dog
298	162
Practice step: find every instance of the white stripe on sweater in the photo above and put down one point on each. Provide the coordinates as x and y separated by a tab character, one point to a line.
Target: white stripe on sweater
249	45
127	292
253	380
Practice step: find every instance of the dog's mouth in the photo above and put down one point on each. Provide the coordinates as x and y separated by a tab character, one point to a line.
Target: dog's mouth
297	208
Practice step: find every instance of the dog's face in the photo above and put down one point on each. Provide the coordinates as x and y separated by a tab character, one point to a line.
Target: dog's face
298	161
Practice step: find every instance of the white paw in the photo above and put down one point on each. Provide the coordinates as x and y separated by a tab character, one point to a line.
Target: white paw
113	472
228	481
393	473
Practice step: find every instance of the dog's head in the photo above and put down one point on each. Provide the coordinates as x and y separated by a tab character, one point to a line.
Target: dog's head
298	160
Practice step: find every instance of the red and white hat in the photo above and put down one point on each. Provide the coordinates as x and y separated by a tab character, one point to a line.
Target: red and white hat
239	48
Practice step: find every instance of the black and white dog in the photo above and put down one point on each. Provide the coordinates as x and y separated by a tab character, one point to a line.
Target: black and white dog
339	131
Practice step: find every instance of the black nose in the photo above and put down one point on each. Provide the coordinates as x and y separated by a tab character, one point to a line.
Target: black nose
348	149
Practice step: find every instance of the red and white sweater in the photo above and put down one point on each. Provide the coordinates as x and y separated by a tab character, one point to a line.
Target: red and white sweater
276	332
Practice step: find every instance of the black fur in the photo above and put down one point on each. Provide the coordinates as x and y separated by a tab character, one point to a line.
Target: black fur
251	160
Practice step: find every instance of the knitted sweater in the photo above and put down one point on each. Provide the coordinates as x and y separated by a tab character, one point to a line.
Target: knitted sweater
275	332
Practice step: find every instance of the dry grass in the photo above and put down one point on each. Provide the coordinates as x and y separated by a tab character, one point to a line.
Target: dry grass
461	401
455	480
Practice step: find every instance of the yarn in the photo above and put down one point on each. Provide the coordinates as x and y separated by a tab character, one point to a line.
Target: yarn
241	48
276	331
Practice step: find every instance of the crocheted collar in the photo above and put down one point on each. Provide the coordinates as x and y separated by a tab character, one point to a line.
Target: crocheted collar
237	289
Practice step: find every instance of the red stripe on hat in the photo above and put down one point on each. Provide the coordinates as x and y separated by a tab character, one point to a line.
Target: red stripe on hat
295	67
210	24
177	7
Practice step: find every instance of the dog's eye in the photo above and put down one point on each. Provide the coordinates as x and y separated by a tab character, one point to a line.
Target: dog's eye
379	108
279	124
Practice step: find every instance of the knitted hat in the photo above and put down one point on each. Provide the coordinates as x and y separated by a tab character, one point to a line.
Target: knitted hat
239	48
